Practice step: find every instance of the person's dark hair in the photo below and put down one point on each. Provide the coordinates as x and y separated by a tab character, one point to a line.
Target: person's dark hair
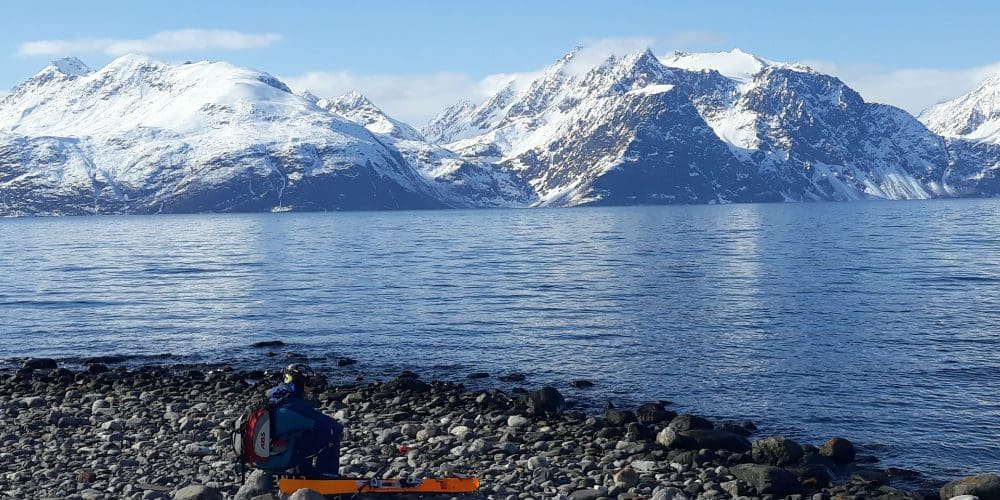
300	376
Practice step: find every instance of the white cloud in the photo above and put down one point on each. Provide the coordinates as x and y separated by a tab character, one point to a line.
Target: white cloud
410	98
162	42
913	89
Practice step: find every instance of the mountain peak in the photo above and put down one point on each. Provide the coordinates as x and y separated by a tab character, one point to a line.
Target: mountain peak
352	99
70	66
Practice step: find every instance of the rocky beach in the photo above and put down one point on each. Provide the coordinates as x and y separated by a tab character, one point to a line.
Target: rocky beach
102	430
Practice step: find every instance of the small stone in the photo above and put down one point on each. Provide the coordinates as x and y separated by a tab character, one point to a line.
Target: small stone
537	462
195	450
518	421
669	494
197	492
627	477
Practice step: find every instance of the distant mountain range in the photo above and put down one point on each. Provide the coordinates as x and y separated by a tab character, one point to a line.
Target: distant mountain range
142	136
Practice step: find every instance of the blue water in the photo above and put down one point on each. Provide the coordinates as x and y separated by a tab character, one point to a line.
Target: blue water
875	321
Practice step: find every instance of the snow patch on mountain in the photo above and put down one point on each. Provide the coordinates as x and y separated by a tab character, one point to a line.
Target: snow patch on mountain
734	64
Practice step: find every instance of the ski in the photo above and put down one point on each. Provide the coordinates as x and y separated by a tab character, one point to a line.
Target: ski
350	486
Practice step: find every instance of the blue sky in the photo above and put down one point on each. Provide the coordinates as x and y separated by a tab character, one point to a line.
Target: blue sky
413	58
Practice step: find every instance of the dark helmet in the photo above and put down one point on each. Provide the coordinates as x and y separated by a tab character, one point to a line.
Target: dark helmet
303	376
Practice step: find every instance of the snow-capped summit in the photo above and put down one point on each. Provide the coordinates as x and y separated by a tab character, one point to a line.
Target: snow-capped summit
974	116
357	108
734	64
71	66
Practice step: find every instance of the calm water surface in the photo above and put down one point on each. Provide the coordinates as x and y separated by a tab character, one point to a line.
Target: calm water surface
879	322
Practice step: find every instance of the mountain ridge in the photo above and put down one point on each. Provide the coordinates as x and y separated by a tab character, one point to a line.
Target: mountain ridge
142	136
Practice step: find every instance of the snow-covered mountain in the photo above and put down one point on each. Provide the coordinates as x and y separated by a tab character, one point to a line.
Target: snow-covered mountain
698	128
458	181
974	116
970	125
142	136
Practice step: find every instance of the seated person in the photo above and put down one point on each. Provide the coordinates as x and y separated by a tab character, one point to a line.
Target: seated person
310	439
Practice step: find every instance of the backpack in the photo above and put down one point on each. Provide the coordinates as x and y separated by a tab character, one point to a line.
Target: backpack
253	436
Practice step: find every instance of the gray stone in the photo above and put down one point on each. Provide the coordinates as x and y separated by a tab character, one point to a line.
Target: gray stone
257	483
586	494
537	462
735	488
776	450
196	450
518	421
197	492
34	402
689	422
984	486
306	494
669	494
627	478
767	479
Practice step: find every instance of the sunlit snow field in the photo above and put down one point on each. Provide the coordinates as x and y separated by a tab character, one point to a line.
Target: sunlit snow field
876	321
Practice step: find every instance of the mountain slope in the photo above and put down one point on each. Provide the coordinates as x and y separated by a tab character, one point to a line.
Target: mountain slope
458	182
763	131
974	116
141	136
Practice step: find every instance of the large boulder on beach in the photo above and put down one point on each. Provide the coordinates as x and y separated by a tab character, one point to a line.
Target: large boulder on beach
839	450
697	439
40	364
690	422
546	401
654	413
984	486
776	450
767	479
618	417
407	384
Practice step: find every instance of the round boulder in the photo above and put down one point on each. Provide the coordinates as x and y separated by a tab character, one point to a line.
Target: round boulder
546	401
984	486
776	450
767	479
689	422
197	492
306	494
617	417
839	450
654	413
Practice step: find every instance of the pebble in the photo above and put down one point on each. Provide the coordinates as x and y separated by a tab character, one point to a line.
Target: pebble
162	433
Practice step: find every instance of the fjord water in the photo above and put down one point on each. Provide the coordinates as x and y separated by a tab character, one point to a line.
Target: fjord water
876	321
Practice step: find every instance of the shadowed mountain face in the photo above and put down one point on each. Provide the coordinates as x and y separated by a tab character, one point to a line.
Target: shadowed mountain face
141	136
